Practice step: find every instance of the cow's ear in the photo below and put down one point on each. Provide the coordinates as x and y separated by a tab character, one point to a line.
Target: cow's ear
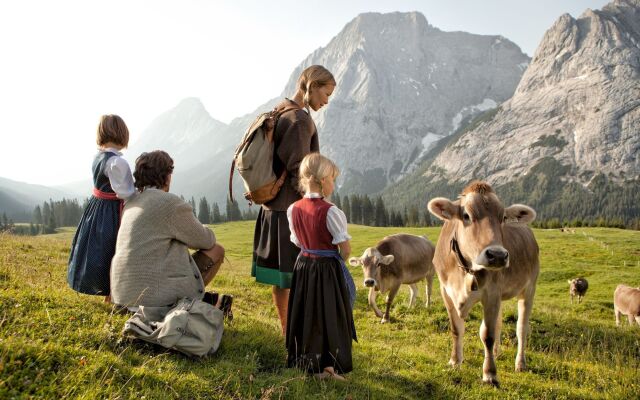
519	213
443	208
354	261
386	260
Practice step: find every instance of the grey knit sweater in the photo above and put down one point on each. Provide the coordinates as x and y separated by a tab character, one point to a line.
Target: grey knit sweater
152	265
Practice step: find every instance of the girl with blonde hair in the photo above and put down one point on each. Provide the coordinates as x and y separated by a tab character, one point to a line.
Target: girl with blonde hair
320	322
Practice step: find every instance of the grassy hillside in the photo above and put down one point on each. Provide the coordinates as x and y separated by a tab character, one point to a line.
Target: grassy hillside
55	343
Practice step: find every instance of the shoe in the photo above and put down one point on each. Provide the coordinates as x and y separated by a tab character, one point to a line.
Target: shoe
211	298
225	305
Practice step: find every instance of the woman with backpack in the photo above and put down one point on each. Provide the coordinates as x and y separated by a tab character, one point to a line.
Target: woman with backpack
295	136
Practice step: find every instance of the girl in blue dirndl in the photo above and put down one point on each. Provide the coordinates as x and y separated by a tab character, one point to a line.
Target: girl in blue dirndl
94	243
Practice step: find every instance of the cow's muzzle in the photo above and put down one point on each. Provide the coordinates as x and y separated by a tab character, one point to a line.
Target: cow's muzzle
369	282
493	257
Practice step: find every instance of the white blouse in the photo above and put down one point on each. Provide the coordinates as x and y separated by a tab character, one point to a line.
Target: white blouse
336	223
119	174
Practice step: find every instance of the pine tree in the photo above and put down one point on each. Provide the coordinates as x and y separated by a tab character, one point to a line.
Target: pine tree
368	216
346	208
335	198
204	213
413	216
356	209
4	226
46	214
235	211
37	216
192	202
228	213
380	213
215	214
51	225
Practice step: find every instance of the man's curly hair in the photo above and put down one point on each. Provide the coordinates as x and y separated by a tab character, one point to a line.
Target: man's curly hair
153	170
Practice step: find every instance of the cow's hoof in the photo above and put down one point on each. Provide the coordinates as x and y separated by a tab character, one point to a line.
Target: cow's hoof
384	321
521	367
454	364
491	380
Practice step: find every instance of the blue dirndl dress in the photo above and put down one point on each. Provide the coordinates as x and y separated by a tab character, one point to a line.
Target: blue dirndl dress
94	243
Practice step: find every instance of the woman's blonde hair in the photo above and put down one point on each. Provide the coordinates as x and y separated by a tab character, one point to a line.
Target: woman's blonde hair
112	129
315	76
313	168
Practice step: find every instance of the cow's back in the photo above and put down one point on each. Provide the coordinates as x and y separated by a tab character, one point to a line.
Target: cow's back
627	300
413	255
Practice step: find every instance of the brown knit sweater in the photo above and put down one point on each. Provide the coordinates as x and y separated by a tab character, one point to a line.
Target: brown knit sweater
295	136
152	265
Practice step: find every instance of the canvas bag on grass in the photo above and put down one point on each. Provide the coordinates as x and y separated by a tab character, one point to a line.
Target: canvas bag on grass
191	326
254	159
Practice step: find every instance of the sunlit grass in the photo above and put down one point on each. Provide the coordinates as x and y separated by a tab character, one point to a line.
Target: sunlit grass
55	343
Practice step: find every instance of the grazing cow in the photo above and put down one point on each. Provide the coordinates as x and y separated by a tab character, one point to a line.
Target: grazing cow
485	254
626	300
395	260
578	287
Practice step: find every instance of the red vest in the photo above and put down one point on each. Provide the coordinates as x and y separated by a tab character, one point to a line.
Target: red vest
309	218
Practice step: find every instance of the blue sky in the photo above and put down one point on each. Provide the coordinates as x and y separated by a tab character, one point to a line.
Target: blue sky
67	62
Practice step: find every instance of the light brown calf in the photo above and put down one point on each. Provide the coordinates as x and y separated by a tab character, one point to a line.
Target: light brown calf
485	254
626	300
395	260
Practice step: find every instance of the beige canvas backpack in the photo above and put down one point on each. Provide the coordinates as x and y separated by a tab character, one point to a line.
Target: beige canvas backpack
190	326
254	159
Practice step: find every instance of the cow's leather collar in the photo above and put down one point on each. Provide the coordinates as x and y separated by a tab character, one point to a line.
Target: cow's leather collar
463	263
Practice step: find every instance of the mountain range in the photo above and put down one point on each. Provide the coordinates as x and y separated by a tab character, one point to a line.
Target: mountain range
403	84
419	112
568	141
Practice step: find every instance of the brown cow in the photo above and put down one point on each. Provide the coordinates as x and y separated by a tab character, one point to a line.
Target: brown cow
485	254
626	300
395	260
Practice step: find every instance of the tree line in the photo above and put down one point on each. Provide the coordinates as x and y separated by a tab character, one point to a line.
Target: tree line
47	217
366	210
210	213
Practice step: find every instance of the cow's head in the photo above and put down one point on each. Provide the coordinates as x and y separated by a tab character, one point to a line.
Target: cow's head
371	262
478	217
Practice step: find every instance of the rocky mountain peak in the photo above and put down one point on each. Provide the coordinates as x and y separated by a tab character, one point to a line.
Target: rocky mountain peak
402	85
578	104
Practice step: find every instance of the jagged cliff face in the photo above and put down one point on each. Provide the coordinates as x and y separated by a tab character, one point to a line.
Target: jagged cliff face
403	84
578	102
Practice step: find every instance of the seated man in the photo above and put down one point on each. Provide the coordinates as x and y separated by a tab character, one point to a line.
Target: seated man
152	265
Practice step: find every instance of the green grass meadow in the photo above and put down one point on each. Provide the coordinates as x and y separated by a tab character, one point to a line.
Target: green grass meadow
55	343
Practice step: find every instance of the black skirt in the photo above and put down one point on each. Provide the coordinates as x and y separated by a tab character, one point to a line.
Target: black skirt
320	320
273	252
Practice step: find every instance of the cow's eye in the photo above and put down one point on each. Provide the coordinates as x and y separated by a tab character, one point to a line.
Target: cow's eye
466	217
